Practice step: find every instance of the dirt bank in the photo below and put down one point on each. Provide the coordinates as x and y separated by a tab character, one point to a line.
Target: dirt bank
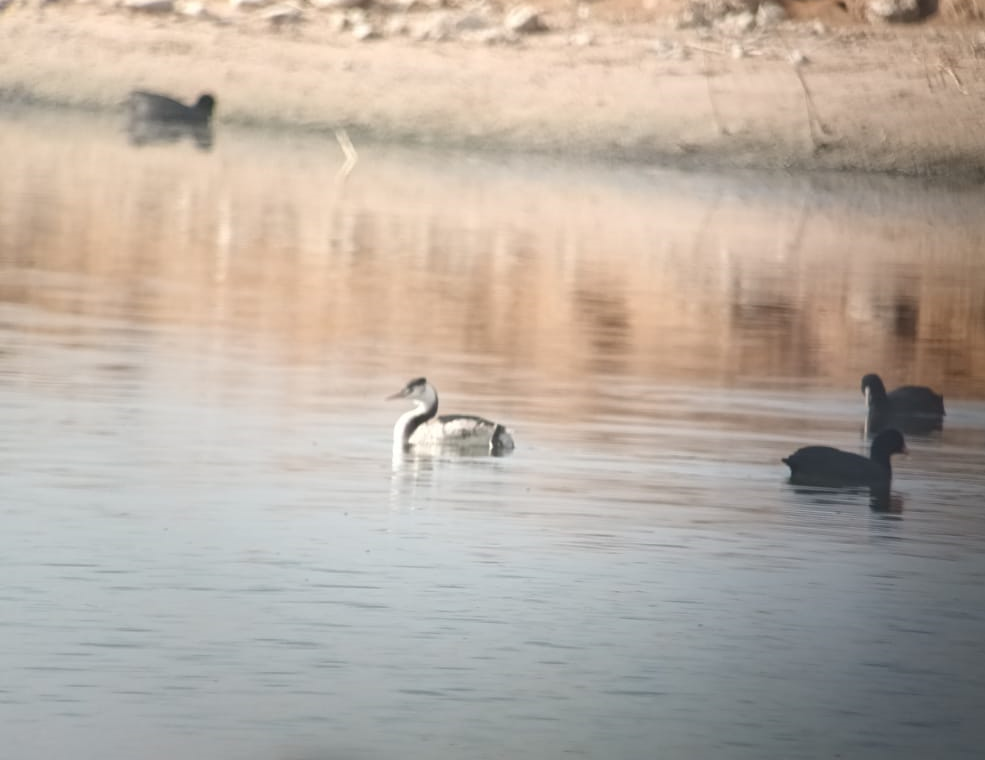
802	96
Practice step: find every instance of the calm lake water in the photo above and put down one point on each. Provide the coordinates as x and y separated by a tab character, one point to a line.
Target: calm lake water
208	549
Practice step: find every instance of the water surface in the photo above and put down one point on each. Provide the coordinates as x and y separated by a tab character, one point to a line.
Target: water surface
209	549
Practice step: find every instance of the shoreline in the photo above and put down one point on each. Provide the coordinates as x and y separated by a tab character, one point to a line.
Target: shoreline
882	100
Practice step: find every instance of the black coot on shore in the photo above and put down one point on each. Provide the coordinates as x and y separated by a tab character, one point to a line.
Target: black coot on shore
827	466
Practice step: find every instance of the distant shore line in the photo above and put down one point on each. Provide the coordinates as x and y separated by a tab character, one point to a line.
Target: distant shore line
617	102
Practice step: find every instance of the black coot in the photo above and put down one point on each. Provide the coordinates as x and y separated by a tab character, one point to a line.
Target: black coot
827	466
906	401
150	106
158	119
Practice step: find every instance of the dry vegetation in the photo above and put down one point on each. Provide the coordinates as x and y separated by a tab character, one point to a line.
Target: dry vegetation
901	98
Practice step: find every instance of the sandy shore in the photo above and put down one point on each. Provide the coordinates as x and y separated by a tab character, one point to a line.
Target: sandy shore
887	99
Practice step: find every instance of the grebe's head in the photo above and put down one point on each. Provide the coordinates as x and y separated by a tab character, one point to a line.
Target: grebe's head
416	390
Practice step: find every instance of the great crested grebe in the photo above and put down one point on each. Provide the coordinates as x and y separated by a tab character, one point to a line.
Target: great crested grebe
421	427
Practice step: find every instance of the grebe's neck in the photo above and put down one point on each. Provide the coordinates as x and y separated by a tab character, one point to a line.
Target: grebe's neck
424	409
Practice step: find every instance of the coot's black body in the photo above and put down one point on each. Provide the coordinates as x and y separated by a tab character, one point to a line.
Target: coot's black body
827	466
914	409
150	106
157	118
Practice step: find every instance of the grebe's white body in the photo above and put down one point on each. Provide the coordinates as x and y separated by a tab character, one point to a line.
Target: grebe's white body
422	427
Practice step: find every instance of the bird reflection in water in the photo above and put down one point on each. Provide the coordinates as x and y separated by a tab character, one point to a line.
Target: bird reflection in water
143	133
881	500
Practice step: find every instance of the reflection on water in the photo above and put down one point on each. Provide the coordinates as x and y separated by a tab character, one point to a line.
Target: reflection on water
880	500
559	272
143	132
211	551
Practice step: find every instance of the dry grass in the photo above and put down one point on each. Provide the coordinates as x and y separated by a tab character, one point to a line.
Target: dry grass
830	11
878	95
962	10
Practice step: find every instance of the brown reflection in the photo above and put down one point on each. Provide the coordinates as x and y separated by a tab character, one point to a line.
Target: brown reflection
881	500
906	317
767	331
550	271
142	132
885	502
606	323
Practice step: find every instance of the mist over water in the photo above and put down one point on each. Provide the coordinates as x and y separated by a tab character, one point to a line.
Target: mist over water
210	550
